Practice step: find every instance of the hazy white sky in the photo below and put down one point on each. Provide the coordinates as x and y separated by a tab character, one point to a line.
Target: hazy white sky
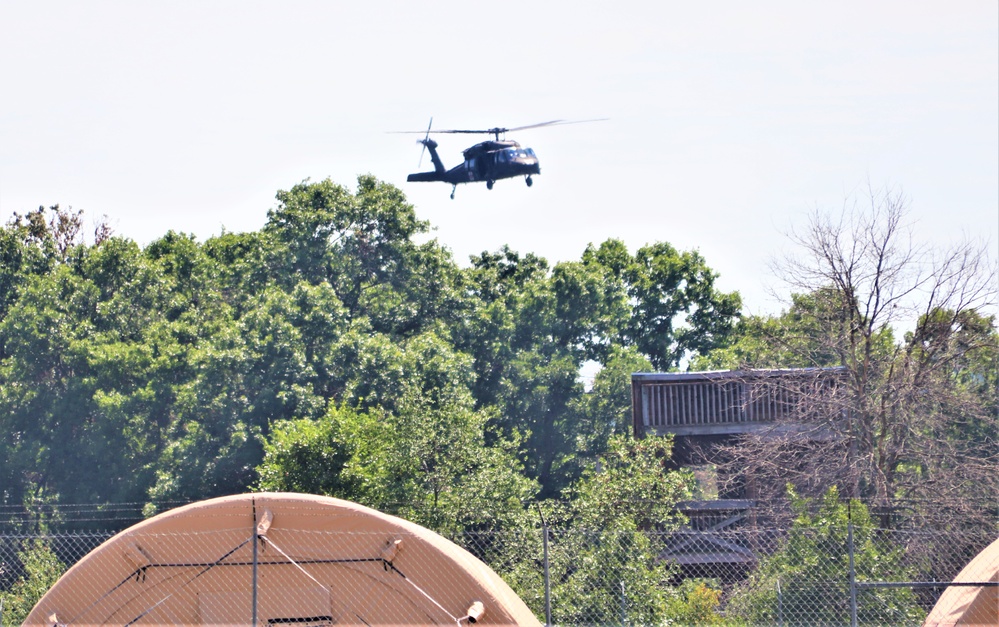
728	120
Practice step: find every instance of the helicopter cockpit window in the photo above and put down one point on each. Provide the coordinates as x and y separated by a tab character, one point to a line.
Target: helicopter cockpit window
512	154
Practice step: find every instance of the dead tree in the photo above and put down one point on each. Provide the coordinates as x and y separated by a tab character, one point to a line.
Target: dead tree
910	327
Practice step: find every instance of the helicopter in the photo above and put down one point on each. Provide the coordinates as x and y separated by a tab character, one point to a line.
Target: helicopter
487	161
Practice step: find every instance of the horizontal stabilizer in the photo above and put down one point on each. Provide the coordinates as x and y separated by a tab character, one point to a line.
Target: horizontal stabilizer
425	176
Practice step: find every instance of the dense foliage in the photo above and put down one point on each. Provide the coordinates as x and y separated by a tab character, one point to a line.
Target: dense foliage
40	568
799	582
336	350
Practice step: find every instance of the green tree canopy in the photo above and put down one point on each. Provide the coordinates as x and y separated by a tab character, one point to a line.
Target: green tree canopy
339	331
805	580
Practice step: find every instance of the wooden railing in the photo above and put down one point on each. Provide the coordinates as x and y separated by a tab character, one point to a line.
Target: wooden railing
729	402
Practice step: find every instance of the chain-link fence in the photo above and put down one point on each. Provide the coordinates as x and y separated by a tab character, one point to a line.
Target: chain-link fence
830	575
826	574
31	562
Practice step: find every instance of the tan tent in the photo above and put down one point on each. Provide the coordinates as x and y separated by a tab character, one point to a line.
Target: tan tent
972	605
316	561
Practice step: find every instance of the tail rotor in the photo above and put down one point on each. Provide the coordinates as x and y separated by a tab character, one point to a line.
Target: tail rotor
424	142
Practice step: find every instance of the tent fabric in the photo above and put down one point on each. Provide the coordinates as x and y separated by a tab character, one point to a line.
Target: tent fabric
971	605
316	561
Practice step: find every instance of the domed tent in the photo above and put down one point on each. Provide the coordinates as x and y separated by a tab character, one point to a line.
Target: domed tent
278	559
970	605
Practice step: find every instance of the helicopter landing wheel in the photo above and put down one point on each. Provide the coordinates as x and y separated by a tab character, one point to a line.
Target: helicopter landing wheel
529	181
489	184
453	187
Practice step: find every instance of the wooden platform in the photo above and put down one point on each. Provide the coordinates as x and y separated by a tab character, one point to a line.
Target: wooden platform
732	402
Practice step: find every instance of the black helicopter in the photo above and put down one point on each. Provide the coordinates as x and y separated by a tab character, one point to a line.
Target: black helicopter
487	161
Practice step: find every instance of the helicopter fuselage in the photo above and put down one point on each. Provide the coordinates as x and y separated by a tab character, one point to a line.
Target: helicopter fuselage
487	161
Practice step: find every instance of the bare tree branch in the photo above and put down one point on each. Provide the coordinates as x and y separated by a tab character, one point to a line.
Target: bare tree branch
917	412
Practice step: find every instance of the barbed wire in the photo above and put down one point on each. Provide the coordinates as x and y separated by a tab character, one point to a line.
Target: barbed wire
58	515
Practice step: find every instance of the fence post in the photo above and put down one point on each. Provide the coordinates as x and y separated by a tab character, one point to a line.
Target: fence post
853	575
624	606
780	605
256	538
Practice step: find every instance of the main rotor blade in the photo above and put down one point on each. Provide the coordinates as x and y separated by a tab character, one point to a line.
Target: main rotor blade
490	131
552	123
500	129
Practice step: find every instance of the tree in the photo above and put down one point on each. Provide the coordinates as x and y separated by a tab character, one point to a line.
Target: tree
506	318
24	251
312	456
797	338
248	374
538	402
806	581
526	361
355	242
151	373
73	357
41	568
631	486
532	329
676	310
418	448
606	410
605	557
912	420
245	264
